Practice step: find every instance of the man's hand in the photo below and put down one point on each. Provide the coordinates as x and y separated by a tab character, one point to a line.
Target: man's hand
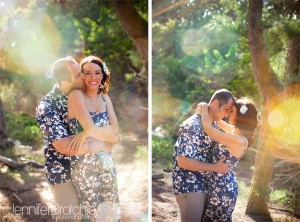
221	167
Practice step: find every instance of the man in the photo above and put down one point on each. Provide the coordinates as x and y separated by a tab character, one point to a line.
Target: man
52	117
192	157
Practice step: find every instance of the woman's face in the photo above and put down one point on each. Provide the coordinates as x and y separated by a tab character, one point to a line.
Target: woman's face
232	115
92	75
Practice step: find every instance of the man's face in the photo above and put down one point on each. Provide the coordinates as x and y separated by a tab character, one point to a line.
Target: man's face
232	115
77	76
219	112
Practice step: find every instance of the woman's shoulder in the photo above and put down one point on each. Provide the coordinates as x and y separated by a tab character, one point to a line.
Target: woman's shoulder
105	97
76	93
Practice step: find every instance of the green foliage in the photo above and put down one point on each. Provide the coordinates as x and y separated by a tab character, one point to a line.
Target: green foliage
53	29
279	196
24	128
287	199
141	153
162	151
195	55
244	190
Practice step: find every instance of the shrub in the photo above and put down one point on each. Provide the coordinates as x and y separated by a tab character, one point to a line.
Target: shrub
24	128
162	151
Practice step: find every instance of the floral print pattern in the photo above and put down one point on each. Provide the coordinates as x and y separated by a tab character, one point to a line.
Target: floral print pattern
222	189
95	178
192	143
52	117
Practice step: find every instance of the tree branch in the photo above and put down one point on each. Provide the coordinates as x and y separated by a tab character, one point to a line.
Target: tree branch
14	164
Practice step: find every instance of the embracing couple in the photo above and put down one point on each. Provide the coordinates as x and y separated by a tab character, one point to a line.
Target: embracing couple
80	127
206	152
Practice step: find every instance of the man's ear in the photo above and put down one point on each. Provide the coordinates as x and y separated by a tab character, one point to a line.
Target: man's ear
215	103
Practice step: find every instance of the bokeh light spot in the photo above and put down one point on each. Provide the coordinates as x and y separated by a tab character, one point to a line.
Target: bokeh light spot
193	42
276	118
284	122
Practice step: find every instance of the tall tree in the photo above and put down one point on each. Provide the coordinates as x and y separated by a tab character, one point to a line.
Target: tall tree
273	93
134	24
2	123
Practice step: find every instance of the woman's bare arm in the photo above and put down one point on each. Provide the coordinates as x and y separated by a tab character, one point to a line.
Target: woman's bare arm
226	127
234	142
90	145
111	114
76	102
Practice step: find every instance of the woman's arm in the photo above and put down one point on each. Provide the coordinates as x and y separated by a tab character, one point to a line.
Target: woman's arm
235	143
111	114
76	103
226	127
90	145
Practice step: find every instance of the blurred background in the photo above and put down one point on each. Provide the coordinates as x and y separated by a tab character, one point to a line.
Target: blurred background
35	33
201	46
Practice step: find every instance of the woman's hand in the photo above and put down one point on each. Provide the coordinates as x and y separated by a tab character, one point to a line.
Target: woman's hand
77	141
199	108
202	110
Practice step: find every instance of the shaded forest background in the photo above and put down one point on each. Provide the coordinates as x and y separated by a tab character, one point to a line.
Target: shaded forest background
251	48
35	33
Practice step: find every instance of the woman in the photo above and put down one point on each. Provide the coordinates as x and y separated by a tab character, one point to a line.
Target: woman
238	136
94	175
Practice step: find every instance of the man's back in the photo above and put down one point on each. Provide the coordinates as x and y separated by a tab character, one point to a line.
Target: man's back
193	143
51	115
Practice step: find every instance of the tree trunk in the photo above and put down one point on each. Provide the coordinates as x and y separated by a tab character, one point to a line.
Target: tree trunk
262	175
293	59
2	124
134	25
270	87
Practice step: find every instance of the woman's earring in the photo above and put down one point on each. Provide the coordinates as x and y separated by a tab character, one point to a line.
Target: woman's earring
101	86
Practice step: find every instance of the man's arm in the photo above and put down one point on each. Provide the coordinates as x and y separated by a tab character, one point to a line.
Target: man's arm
90	145
196	165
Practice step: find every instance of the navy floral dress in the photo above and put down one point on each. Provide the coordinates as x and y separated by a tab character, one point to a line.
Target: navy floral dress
95	178
222	189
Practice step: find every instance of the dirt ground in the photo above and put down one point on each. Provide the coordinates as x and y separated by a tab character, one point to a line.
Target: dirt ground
33	191
165	209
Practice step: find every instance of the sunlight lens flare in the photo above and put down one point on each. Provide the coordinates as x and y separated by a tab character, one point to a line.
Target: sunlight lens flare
35	43
284	121
32	39
194	41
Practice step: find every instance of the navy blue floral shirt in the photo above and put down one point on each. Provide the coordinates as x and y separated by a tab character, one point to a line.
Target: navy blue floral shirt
52	117
191	143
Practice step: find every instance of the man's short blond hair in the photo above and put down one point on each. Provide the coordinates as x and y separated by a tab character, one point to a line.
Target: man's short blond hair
60	69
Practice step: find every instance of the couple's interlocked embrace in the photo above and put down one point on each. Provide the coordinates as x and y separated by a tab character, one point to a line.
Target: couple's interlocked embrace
205	154
80	127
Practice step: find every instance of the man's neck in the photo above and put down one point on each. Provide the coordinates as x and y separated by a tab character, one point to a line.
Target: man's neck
211	119
64	89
